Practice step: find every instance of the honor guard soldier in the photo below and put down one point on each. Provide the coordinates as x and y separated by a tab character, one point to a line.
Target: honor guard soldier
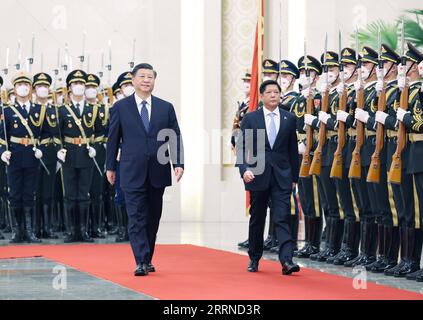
310	69
98	183
412	119
270	70
49	145
351	224
79	124
289	73
125	84
239	115
20	134
368	226
402	194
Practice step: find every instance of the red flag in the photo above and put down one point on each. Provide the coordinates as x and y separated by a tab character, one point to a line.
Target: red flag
256	70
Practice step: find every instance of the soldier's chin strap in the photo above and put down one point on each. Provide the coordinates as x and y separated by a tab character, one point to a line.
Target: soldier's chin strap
406	74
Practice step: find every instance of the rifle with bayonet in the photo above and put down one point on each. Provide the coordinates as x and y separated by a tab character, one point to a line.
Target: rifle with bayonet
306	161
394	175
355	167
374	169
337	164
316	164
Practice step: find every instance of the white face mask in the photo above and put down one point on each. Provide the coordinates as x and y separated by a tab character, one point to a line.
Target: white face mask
285	83
91	93
304	81
22	91
246	87
42	92
129	90
332	77
421	69
120	96
78	90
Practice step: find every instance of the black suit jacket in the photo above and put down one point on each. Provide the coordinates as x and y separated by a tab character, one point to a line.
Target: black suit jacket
282	161
139	148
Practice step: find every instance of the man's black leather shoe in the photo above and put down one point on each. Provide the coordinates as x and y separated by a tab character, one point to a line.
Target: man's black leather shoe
142	270
289	267
252	266
151	268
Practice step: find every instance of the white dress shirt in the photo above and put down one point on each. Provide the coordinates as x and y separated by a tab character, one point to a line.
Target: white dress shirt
81	106
139	101
268	118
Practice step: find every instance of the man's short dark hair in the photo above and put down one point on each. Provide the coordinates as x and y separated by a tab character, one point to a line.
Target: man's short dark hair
267	83
145	66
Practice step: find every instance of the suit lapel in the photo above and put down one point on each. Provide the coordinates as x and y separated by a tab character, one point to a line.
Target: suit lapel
262	125
281	126
154	112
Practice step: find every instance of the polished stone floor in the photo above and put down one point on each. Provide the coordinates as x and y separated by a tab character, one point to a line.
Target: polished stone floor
223	236
39	278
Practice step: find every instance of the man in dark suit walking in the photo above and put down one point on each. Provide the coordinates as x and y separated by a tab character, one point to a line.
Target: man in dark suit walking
267	158
147	130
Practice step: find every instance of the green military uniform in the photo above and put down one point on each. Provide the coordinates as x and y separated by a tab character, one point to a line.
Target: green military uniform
307	186
414	124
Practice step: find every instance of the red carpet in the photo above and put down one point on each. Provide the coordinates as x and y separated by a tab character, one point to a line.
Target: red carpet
187	272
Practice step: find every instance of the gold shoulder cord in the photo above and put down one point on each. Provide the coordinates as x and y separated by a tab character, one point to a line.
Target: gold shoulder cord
106	115
41	119
95	112
52	123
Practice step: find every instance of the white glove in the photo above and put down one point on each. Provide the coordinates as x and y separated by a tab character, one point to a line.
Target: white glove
362	115
342	116
357	85
324	117
401	82
61	155
308	119
340	88
38	153
5	157
379	85
324	87
305	93
379	74
301	148
381	117
118	155
91	152
401	113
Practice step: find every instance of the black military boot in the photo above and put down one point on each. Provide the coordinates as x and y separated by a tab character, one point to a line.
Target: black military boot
47	232
29	214
413	251
351	263
381	248
96	216
403	244
315	236
391	247
83	217
243	245
15	217
337	242
322	254
352	240
370	245
69	220
304	251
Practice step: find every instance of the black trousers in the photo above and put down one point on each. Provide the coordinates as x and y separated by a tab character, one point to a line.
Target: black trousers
46	184
362	195
328	191
77	184
343	188
309	198
22	186
281	217
144	207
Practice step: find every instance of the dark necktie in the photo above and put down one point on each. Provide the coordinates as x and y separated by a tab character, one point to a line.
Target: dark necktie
144	116
24	112
79	110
